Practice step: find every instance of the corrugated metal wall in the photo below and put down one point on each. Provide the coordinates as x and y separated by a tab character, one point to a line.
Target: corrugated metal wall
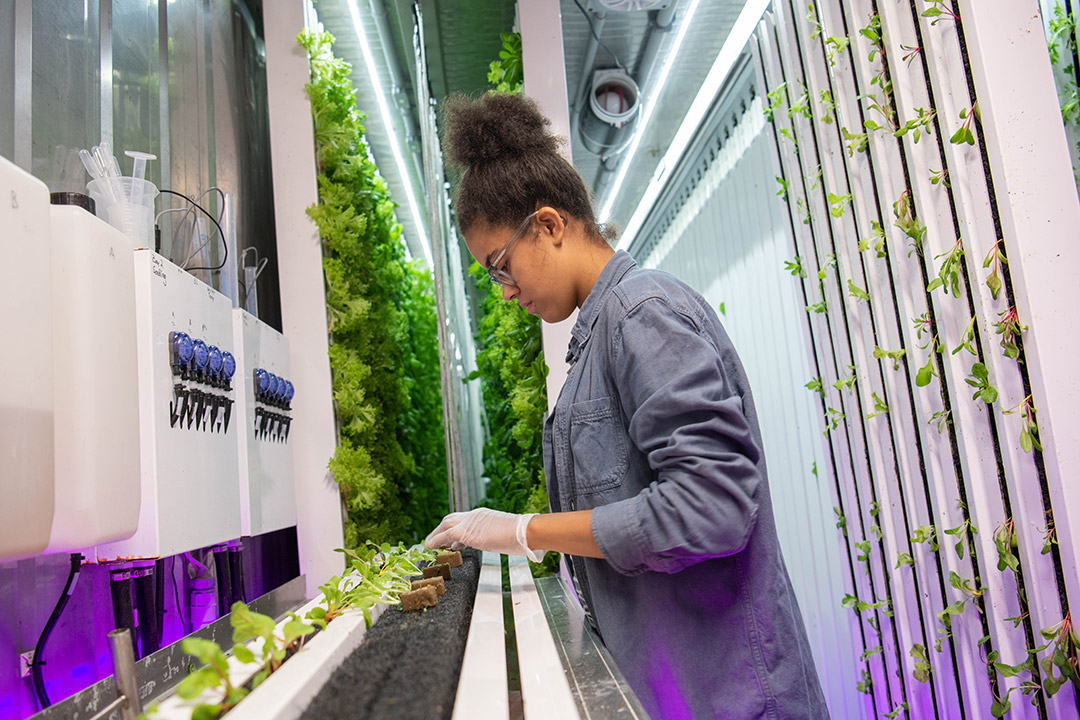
728	235
886	216
934	372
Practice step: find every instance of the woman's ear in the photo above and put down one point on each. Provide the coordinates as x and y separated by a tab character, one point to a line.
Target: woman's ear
552	224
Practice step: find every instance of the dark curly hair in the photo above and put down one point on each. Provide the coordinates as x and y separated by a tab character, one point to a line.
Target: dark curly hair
511	163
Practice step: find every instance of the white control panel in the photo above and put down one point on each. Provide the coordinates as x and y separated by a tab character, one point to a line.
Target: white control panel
188	414
96	383
267	491
26	357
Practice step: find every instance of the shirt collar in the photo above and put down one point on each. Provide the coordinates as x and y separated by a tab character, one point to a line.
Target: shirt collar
617	266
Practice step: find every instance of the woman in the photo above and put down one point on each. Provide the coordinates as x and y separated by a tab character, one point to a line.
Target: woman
657	481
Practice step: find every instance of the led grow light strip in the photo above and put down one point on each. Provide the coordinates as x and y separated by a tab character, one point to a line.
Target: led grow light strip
646	111
736	40
395	146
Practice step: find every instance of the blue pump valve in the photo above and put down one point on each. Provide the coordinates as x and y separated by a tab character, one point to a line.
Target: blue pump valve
202	355
281	389
182	348
215	360
262	381
228	365
272	391
289	390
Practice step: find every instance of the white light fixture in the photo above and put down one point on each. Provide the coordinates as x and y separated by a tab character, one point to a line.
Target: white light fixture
388	124
736	40
646	112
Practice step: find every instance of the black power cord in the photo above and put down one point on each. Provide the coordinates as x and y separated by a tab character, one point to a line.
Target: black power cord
37	662
221	233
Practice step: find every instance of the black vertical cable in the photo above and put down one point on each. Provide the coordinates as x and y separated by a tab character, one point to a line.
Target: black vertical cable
39	648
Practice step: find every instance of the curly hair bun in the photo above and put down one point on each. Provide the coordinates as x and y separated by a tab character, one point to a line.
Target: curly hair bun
492	127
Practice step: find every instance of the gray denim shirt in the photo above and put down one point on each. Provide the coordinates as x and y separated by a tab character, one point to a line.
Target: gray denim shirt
655	431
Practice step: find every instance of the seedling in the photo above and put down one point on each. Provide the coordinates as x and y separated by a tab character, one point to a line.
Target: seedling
923	325
776	99
926	534
959	532
917	126
980	380
876	239
860	606
833	417
911	53
804	213
795	267
841	520
964	134
801	106
819	308
880	407
857	292
949	272
811	17
904	211
838	204
895	713
940	419
939	10
940	177
895	355
967	339
783	191
856	142
846	382
1049	534
903	559
995	260
1006	544
865	685
1029	436
830	262
921	671
834	46
1009	328
815	386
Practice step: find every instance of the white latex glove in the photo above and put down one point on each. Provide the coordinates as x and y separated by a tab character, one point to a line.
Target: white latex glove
484	529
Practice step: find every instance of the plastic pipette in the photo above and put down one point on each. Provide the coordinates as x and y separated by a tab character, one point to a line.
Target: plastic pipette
138	173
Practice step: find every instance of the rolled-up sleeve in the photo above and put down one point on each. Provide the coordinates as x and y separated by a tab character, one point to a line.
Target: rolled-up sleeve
685	417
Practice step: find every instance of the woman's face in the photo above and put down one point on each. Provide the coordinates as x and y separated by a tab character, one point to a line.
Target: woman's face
532	271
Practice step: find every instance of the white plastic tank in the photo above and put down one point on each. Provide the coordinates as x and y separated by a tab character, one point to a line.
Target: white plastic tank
96	382
26	358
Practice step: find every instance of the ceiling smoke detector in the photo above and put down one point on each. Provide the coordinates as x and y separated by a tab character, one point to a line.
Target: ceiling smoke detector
633	5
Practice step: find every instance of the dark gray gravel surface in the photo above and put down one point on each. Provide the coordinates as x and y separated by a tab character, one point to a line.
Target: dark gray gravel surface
409	663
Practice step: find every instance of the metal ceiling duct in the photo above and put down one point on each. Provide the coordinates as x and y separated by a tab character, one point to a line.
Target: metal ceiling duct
614	102
632	5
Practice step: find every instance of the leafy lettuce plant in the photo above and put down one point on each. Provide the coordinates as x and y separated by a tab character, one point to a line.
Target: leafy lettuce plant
391	462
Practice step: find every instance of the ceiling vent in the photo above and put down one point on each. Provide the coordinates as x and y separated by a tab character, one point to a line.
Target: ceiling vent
633	5
614	102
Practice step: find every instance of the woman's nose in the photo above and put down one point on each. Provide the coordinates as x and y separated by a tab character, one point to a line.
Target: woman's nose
509	291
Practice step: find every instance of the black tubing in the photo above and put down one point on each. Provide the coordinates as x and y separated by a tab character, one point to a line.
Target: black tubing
146	605
224	582
39	649
123	613
236	570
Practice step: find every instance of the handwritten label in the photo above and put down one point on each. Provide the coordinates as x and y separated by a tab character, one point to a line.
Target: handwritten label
14	201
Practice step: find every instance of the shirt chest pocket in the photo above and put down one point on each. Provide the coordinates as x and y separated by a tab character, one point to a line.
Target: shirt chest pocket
598	445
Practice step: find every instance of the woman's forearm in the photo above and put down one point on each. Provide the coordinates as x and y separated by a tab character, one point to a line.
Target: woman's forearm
566	532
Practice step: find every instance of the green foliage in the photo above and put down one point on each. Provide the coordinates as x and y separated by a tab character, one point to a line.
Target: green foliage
964	134
511	368
922	669
980	380
506	73
895	355
390	464
951	268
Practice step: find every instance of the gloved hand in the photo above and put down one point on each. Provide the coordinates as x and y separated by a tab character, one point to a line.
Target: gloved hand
484	529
